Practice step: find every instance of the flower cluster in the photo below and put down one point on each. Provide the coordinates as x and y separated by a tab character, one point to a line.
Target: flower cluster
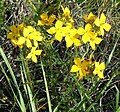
92	33
28	36
62	27
94	28
85	67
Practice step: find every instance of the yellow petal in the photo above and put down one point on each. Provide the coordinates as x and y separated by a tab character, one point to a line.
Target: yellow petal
102	66
52	30
14	29
91	16
73	32
40	38
35	36
95	72
100	75
92	44
58	24
81	73
28	43
96	64
74	69
97	40
102	18
38	52
69	42
66	12
69	25
34	58
77	61
35	43
77	42
85	17
33	50
30	29
25	32
88	27
44	16
40	22
21	26
58	36
10	35
107	26
97	22
21	40
85	38
29	55
81	31
52	18
71	20
66	30
14	41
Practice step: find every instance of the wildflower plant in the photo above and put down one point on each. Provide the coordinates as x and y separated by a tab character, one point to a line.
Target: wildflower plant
26	36
61	27
65	29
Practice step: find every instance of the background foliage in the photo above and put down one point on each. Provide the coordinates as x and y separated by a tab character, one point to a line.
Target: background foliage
67	94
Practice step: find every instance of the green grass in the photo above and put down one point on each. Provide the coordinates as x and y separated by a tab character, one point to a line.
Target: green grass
48	86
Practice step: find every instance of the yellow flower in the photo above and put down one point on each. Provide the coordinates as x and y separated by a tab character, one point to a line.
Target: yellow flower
26	35
89	36
35	35
81	66
90	18
85	32
45	20
66	11
71	37
66	17
102	24
33	54
57	30
94	39
29	34
99	68
15	33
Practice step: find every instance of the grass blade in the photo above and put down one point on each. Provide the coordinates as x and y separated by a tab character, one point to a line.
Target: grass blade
14	80
46	87
26	76
111	54
117	97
